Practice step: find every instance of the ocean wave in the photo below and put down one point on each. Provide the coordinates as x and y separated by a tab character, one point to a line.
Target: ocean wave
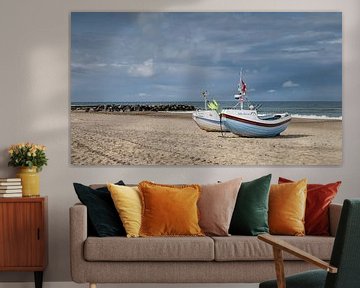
321	117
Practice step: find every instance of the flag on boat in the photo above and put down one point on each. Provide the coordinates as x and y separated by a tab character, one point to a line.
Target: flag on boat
213	105
243	87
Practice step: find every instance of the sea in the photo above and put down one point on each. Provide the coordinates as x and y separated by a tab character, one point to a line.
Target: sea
297	109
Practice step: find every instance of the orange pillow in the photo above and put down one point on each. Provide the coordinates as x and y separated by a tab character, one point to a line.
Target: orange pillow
287	204
169	210
318	200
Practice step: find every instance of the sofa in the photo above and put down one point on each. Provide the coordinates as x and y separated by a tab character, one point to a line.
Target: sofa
233	259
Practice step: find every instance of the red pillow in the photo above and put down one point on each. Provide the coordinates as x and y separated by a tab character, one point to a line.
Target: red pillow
319	197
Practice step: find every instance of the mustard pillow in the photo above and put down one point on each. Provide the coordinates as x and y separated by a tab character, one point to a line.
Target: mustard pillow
287	204
127	201
169	210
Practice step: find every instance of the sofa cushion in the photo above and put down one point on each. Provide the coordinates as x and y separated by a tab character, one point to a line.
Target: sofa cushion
250	215
318	199
245	248
216	206
127	201
149	249
169	210
102	215
287	204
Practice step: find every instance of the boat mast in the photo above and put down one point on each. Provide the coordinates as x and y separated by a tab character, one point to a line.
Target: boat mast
241	98
205	93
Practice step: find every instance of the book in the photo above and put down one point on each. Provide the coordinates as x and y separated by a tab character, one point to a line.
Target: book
10	183
10	180
2	195
10	191
10	187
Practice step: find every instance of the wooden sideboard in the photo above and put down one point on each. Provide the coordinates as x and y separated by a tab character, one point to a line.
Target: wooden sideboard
23	235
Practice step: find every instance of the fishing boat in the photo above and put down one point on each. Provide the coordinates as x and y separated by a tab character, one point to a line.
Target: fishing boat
247	122
208	120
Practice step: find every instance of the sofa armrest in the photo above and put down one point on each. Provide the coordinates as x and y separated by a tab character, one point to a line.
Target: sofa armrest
78	235
334	217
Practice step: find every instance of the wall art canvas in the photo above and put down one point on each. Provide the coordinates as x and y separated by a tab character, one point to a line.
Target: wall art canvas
202	89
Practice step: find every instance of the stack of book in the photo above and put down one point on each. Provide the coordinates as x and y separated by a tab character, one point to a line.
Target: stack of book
10	187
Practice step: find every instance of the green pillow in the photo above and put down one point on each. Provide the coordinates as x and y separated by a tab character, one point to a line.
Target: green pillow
250	216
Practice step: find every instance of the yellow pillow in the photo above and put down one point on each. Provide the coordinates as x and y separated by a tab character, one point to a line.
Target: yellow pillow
169	210
287	204
127	201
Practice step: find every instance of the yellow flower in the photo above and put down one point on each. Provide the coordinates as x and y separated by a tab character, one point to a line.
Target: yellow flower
11	151
28	154
42	147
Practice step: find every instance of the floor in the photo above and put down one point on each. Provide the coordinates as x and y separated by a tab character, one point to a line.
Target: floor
74	285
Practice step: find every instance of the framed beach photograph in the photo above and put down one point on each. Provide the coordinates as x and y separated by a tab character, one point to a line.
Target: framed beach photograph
190	88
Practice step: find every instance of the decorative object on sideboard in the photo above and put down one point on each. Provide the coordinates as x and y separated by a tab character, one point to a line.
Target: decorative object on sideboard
30	158
10	187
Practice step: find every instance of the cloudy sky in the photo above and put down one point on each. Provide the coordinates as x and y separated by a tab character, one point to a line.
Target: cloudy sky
144	57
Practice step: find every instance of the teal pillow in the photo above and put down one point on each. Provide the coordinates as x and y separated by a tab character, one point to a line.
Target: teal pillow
250	216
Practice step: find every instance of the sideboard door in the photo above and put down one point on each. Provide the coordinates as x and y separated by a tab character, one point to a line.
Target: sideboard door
22	240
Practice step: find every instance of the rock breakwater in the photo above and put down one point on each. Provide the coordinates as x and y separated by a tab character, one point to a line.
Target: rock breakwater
132	107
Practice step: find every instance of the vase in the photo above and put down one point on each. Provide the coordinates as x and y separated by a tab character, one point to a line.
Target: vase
30	181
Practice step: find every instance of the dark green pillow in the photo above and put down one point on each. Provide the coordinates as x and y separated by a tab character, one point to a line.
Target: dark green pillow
250	216
103	218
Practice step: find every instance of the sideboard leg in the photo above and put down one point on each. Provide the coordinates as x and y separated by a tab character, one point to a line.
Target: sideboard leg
92	285
38	279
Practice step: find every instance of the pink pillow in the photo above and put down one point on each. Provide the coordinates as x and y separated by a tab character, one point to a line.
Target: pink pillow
216	206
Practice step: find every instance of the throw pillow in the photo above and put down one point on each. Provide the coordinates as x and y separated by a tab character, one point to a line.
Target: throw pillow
169	210
216	206
127	201
287	208
319	197
102	215
250	215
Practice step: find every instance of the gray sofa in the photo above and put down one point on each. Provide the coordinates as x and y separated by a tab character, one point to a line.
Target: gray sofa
234	259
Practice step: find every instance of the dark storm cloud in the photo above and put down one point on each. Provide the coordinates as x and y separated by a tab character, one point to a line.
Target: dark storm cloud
172	56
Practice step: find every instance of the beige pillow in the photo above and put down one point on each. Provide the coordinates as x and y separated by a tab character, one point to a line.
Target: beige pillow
216	206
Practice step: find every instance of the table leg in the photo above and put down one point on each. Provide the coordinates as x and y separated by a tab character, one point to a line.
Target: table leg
38	279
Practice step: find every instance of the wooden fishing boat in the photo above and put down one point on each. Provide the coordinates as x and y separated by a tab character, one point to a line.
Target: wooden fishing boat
247	122
208	120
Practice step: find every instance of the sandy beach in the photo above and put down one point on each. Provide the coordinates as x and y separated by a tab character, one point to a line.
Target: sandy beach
165	138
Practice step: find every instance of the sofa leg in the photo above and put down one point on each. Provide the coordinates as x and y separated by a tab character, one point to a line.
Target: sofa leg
92	285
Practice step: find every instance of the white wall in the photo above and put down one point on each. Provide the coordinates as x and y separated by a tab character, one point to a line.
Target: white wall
34	105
